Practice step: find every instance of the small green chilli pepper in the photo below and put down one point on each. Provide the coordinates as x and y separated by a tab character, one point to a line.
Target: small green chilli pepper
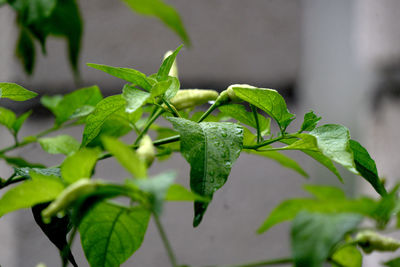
68	196
146	150
371	241
229	95
189	98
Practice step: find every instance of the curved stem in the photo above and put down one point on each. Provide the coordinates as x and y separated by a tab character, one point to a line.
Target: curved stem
173	110
209	110
167	245
148	124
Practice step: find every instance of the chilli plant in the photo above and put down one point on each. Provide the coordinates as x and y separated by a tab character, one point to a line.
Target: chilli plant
327	227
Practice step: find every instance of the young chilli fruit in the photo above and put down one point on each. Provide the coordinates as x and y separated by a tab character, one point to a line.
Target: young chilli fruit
371	241
229	95
192	97
146	150
68	196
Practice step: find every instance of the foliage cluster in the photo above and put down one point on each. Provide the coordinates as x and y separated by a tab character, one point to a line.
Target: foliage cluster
65	201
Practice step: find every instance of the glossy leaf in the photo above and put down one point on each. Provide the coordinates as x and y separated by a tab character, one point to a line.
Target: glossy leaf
15	92
239	113
268	100
38	189
79	165
7	118
319	157
211	149
104	109
365	165
61	144
347	256
110	233
71	102
134	97
314	235
333	142
126	156
27	171
166	13
310	122
165	67
328	200
282	159
133	76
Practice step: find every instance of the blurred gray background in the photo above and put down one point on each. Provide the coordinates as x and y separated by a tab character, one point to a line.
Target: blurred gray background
339	58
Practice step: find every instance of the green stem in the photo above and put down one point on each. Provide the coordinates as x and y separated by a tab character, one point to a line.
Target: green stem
209	110
167	245
166	140
12	180
255	114
33	139
148	124
263	263
173	110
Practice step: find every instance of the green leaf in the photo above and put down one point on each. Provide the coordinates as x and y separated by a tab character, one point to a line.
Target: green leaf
166	13
282	159
329	200
393	262
51	102
314	235
20	120
15	92
238	112
134	97
79	165
26	172
177	192
306	142
71	102
268	100
65	21
25	50
20	162
7	118
310	122
333	142
319	157
56	230
130	75
126	156
347	256
110	234
39	189
157	187
61	144
165	67
104	109
114	126
365	165
160	88
210	148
